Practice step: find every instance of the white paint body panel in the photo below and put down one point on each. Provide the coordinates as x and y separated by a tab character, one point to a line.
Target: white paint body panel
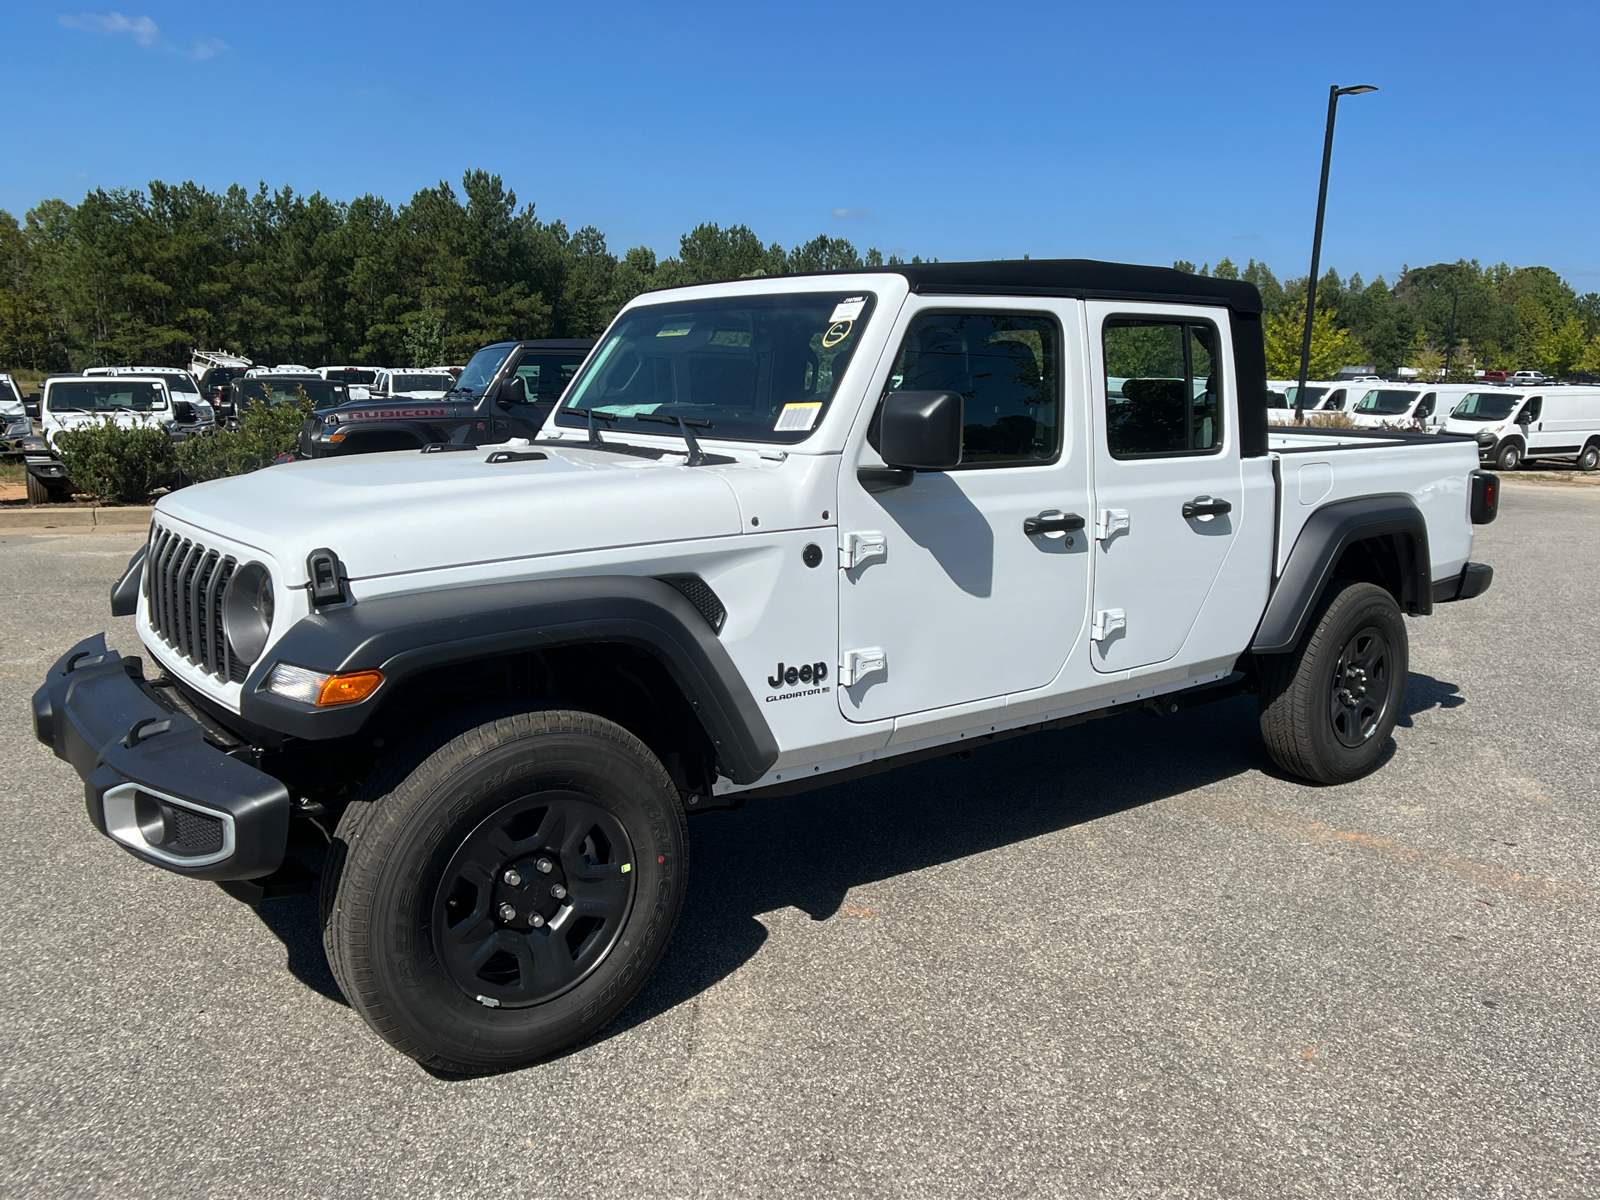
983	627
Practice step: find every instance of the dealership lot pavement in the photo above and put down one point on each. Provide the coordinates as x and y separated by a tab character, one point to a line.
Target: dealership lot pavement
1121	959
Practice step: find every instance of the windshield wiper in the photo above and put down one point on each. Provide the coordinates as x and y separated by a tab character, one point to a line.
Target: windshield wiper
686	426
595	442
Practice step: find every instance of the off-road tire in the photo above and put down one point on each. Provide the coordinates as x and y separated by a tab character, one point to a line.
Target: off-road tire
382	886
1589	459
39	492
1509	458
1298	690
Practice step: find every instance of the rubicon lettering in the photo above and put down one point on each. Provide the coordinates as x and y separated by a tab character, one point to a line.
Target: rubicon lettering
807	680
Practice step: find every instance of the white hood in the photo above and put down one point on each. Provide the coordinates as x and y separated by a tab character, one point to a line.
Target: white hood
408	511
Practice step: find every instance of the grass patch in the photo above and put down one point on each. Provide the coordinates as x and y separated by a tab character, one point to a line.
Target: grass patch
12	471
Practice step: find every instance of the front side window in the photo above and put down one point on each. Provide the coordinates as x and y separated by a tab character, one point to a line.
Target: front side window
1007	367
545	376
421	383
1163	387
106	395
748	368
1425	408
1530	411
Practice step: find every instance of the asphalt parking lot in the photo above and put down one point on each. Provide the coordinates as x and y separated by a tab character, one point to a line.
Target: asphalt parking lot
1123	959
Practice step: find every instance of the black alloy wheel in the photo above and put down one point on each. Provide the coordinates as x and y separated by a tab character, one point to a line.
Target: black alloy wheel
1360	692
534	899
504	896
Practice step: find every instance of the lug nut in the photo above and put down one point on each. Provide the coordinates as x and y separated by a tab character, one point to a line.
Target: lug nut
559	892
545	866
536	921
507	913
512	877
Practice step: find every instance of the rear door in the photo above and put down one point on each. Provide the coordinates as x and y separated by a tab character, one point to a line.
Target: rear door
1168	491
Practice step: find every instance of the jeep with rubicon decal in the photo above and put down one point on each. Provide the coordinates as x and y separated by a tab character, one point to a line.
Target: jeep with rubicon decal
872	479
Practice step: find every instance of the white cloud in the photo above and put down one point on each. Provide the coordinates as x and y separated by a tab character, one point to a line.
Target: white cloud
844	213
142	29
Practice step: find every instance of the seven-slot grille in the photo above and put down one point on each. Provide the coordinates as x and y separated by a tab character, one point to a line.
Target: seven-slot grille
183	586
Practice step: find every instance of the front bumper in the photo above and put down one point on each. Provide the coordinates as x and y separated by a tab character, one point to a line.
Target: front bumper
152	782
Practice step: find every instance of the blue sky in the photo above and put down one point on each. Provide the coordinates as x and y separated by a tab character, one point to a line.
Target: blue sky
1140	132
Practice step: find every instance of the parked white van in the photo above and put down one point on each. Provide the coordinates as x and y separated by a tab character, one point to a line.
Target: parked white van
1423	407
1326	395
181	385
1548	422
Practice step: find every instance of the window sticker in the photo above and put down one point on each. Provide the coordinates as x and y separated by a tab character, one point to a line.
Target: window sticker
837	332
849	309
731	337
675	329
798	418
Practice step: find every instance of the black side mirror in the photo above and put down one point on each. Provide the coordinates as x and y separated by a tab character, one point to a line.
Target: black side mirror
921	430
513	391
31	407
183	412
914	431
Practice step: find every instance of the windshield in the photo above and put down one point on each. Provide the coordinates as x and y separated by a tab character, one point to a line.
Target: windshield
420	383
357	375
1386	402
480	370
1313	396
1486	406
320	392
757	368
106	395
176	381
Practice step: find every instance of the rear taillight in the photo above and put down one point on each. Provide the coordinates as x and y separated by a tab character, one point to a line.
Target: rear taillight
1485	497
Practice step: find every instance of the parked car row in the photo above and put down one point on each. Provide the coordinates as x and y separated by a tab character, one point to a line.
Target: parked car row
1549	421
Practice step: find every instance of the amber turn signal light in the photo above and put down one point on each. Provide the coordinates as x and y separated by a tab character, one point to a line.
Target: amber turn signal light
348	689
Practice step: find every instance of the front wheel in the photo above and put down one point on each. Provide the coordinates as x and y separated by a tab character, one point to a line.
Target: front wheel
511	894
1328	708
1509	458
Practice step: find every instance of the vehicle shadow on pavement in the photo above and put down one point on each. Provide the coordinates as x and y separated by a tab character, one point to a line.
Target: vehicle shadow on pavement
808	851
1424	692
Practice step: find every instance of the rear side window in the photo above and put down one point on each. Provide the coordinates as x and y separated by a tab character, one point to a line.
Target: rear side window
1007	367
1163	387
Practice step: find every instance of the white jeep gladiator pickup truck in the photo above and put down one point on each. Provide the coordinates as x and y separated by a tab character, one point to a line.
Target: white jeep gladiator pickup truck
777	533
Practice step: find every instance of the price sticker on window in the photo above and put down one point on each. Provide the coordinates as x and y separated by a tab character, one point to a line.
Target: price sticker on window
798	418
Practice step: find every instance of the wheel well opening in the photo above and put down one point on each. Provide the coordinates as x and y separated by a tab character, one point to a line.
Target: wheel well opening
622	683
1389	562
376	441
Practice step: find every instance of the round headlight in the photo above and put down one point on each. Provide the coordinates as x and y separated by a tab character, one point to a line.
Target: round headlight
247	611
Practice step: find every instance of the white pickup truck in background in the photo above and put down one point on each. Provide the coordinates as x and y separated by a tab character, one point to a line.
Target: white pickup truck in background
777	533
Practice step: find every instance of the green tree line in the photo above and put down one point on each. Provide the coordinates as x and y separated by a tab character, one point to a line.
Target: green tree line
145	276
1491	318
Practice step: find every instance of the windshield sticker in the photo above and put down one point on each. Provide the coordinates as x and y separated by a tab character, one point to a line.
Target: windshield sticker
798	418
849	310
837	332
675	329
730	337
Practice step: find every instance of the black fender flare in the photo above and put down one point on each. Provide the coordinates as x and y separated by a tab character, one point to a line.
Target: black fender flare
1326	535
403	635
125	592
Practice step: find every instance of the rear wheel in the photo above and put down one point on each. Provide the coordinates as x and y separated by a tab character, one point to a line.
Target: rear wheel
1509	458
1328	708
511	894
1590	458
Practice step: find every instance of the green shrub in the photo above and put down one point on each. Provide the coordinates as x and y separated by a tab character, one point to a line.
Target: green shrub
108	462
265	431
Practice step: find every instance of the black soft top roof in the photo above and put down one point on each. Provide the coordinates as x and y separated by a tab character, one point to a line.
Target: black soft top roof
1076	277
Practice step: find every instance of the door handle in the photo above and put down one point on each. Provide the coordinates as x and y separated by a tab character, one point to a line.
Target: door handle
1052	522
1205	506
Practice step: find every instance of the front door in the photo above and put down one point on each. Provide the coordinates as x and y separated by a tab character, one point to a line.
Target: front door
946	597
1168	493
544	375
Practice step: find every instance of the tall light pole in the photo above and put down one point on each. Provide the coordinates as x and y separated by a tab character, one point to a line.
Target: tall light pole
1334	93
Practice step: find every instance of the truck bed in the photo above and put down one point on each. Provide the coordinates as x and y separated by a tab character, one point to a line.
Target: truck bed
1318	466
